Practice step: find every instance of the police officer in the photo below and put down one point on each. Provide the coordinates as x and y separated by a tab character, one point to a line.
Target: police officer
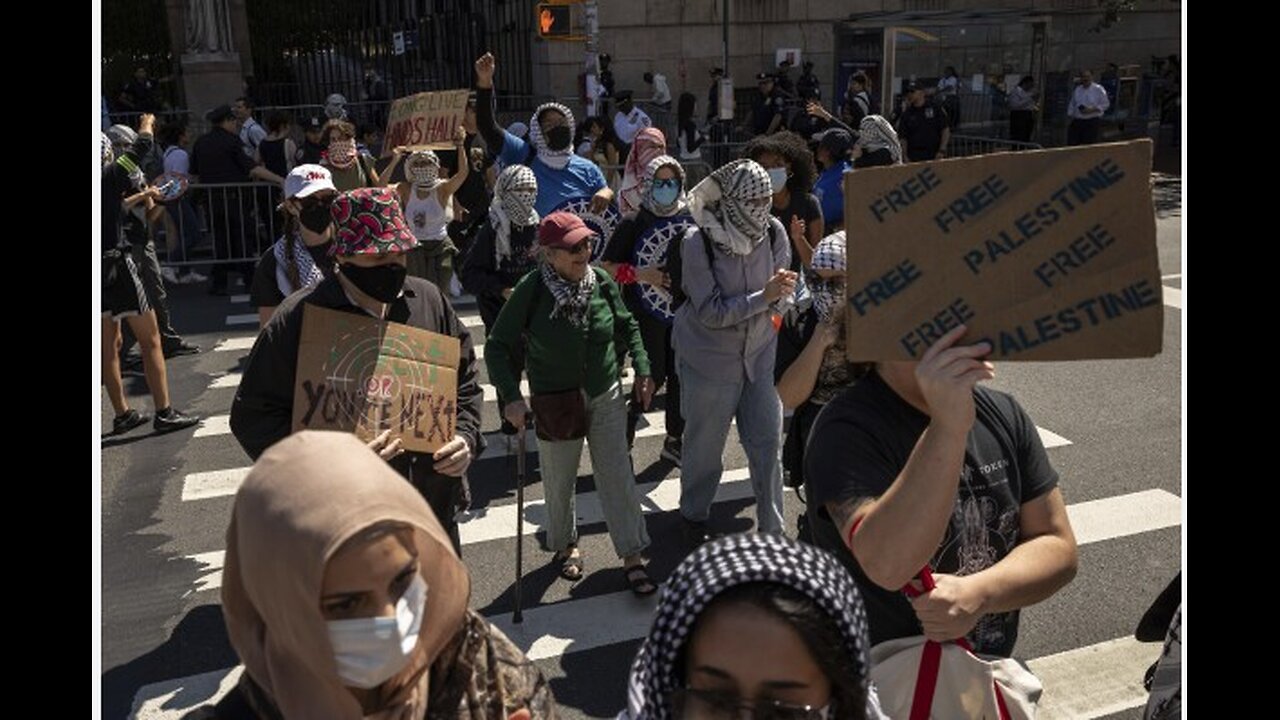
923	128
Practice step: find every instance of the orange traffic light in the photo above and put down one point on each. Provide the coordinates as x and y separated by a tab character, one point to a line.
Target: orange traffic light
554	21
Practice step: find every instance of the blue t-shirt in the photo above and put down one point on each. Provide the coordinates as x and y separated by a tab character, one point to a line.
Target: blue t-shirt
580	177
830	192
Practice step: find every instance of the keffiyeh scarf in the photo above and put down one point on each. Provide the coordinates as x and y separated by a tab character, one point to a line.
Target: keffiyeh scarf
720	205
572	299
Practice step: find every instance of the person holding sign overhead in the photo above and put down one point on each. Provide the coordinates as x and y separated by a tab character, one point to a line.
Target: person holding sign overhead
916	466
370	242
562	175
427	200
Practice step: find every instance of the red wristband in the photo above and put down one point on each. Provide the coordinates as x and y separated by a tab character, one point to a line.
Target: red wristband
625	274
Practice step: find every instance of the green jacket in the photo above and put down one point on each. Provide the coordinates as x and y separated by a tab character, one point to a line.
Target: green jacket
560	356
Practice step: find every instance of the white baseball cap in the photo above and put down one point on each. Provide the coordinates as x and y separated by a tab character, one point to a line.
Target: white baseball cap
305	180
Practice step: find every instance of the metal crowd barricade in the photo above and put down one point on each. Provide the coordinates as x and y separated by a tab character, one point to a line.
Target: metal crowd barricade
224	223
966	145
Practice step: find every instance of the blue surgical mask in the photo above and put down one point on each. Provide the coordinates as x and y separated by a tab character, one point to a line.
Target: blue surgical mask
369	651
778	177
666	192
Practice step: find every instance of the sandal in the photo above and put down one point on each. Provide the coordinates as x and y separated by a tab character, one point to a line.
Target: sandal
570	566
639	580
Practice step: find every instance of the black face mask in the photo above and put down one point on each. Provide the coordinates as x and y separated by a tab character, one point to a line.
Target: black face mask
625	107
382	282
315	217
558	138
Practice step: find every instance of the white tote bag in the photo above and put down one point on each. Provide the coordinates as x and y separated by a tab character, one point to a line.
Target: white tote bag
917	679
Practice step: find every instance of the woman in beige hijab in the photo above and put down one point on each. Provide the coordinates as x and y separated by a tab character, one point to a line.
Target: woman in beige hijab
344	599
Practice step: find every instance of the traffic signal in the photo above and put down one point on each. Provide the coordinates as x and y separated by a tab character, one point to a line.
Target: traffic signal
554	21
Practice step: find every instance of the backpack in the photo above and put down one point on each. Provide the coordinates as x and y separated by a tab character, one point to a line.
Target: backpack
675	269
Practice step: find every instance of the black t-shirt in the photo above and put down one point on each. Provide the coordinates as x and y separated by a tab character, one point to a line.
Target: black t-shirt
862	440
264	291
218	157
272	152
806	207
922	128
622	245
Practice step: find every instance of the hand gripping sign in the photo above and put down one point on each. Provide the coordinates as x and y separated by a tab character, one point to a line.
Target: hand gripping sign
1047	255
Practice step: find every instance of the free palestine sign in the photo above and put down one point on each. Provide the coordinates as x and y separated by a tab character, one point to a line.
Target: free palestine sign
1047	255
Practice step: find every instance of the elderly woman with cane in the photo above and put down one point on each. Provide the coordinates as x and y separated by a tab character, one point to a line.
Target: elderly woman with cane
573	318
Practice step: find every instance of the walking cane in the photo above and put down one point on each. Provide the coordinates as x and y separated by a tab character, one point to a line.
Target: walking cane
517	617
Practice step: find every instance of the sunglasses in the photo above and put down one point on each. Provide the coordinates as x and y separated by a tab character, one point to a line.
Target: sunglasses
314	202
689	704
668	183
581	247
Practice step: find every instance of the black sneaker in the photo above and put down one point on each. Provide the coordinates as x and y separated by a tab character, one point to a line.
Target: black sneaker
182	347
508	428
671	450
169	420
128	421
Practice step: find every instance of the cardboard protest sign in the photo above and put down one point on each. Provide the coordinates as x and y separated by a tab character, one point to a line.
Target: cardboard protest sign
363	375
425	120
1047	255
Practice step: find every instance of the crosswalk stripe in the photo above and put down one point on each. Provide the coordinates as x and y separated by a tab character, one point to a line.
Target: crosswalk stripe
499	522
229	380
652	424
245	319
240	298
1122	515
160	701
214	425
491	392
1095	680
1051	439
1172	297
1079	684
211	564
218	483
471	321
235	344
1093	521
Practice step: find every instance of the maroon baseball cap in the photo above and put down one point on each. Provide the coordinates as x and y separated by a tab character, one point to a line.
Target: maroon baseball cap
562	230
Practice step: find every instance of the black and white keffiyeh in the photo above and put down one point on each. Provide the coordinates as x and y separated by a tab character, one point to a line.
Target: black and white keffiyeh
721	206
513	196
828	294
572	299
646	198
723	564
875	132
308	273
557	159
423	169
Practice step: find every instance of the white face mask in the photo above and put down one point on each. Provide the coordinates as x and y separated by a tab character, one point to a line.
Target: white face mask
778	177
369	651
